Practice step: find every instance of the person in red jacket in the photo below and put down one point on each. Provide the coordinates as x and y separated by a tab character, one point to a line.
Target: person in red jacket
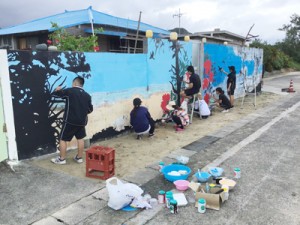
78	106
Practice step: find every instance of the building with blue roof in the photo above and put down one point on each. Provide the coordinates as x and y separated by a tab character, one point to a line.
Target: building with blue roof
119	34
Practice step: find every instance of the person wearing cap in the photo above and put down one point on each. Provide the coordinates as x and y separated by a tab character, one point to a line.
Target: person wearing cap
231	83
194	83
141	120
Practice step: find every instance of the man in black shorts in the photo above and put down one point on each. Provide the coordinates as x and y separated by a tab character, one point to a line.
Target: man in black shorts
194	84
78	105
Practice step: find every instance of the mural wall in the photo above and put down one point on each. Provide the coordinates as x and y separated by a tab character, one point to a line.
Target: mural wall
113	80
248	63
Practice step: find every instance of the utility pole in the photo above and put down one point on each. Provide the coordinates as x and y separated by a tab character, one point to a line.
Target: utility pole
137	33
179	15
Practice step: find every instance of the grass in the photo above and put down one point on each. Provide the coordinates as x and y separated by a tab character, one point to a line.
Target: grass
295	66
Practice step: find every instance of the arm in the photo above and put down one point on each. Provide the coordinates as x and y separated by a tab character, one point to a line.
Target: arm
91	108
223	71
59	92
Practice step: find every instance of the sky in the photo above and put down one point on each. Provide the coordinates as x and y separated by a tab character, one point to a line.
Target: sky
236	16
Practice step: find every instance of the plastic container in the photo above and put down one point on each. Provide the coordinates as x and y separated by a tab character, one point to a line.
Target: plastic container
173	206
201	205
226	192
181	185
169	197
202	176
160	166
176	167
161	197
237	173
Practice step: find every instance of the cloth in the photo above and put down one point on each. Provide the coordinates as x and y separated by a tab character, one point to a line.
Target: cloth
225	103
195	80
68	131
141	119
204	109
78	105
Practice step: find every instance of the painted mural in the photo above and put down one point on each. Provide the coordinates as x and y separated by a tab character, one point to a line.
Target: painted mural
248	63
112	79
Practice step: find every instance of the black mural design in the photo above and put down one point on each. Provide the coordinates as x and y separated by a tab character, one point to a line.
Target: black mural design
178	70
38	116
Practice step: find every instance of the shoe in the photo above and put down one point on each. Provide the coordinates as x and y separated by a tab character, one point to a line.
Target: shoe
151	135
78	160
58	161
231	106
225	111
139	137
179	129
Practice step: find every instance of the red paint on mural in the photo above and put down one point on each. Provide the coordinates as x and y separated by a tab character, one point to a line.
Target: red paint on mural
165	101
207	80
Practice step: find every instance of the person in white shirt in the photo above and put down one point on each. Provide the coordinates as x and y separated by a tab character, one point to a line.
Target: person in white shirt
204	109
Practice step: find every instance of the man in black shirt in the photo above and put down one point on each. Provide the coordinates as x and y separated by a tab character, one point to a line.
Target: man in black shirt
194	84
78	105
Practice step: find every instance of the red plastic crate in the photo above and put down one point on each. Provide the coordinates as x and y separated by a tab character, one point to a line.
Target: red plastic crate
100	162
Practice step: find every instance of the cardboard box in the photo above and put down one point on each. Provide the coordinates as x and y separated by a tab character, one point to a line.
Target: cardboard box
213	201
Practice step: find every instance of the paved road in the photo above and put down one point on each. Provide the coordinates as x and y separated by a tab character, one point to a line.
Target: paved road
264	145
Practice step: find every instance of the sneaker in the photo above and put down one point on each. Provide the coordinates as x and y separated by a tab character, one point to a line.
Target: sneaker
179	129
151	135
78	160
225	111
139	137
58	161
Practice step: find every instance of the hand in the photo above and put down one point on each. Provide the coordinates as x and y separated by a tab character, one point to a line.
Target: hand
58	88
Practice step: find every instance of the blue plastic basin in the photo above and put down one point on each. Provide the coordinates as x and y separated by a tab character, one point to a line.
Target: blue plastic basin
203	176
175	167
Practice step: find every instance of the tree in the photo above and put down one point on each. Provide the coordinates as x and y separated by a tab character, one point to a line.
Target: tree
64	41
291	43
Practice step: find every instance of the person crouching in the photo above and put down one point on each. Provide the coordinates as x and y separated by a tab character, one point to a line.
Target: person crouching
141	120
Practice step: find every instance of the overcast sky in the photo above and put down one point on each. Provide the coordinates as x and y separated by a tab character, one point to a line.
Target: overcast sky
236	16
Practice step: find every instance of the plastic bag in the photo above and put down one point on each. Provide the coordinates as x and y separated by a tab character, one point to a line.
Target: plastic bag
120	194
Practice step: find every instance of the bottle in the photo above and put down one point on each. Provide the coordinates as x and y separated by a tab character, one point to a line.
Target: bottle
206	188
173	206
201	205
161	165
169	197
237	173
161	197
226	192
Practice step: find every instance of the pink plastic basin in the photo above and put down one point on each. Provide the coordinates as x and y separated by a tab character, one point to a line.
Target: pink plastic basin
181	185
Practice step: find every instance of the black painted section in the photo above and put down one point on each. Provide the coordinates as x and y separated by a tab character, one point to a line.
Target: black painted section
37	115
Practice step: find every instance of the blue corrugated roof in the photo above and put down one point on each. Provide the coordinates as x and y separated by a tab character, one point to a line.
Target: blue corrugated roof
73	18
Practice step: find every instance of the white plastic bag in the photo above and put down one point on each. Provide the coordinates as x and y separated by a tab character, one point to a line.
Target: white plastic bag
120	194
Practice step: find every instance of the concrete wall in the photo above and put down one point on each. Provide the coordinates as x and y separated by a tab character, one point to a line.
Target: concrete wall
113	80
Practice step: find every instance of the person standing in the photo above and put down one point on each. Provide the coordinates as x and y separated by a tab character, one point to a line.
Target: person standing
77	106
231	83
141	119
194	83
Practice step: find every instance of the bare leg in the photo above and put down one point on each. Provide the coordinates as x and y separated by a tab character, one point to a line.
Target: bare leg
80	143
232	100
62	149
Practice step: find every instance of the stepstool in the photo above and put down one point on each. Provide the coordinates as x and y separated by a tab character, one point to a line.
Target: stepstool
191	107
100	162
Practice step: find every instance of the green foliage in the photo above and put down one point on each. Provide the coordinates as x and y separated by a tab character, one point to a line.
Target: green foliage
64	41
274	59
291	44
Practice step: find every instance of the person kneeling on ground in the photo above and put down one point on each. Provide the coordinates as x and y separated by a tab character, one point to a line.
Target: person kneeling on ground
201	105
141	119
180	117
223	102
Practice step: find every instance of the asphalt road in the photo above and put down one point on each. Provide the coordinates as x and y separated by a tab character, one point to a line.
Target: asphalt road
269	189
